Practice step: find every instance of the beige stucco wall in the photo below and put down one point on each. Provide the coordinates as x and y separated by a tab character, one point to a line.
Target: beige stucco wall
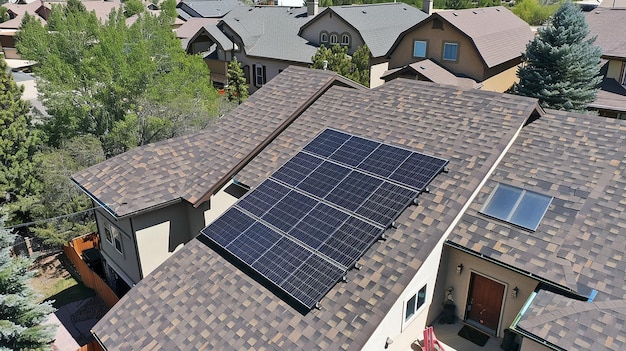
219	203
468	63
505	276
530	345
272	67
376	71
153	246
331	23
502	81
614	70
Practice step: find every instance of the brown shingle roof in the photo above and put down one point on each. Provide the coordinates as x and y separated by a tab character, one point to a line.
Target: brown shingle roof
498	34
188	167
579	245
610	26
198	300
430	70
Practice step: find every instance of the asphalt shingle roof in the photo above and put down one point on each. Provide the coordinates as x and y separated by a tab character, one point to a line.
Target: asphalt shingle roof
187	167
609	25
579	245
379	24
208	8
272	32
498	34
199	300
434	73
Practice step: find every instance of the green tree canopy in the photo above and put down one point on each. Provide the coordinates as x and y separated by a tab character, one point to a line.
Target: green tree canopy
534	12
98	78
21	316
561	66
237	89
18	140
336	58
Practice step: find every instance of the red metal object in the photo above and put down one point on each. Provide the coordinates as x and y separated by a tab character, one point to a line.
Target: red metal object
430	341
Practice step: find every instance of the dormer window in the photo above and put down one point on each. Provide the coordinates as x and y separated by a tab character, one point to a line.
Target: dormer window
334	39
324	38
517	206
345	39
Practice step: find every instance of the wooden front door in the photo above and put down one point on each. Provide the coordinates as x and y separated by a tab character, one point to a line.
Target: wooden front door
484	303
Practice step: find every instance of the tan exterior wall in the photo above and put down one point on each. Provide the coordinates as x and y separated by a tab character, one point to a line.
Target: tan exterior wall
510	279
404	333
615	69
220	202
468	63
331	25
501	81
530	345
272	67
376	71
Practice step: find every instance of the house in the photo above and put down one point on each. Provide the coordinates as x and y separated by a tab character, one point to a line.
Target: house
523	231
191	180
268	39
483	44
609	24
205	8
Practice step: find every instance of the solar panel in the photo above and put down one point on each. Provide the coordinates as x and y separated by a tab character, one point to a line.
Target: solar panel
355	150
306	225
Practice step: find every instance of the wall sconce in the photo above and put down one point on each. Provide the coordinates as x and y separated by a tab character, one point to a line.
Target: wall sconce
388	342
459	269
515	292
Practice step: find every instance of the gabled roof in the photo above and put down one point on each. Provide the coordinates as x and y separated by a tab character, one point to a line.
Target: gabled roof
609	25
216	35
199	300
102	8
378	24
207	8
191	27
34	8
579	245
430	70
611	96
497	33
189	167
271	32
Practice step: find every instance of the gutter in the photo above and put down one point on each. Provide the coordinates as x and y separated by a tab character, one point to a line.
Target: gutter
526	334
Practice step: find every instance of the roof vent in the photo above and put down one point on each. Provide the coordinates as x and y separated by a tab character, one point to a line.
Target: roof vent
474	12
364	12
422	67
454	13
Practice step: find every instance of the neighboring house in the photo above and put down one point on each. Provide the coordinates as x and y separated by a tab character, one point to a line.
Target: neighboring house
268	39
484	44
191	180
609	25
375	25
428	70
524	231
205	8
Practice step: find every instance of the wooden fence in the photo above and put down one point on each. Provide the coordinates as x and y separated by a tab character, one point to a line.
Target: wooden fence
93	346
73	251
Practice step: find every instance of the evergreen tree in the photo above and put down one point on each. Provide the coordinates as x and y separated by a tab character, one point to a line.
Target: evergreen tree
20	315
237	88
18	139
561	66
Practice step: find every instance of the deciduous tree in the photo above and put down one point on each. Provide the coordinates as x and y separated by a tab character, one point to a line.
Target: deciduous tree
336	59
561	65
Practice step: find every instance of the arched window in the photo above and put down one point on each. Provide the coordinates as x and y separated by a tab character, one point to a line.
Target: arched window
345	39
334	38
323	38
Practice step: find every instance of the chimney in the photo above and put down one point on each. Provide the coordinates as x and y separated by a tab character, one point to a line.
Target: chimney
312	8
427	6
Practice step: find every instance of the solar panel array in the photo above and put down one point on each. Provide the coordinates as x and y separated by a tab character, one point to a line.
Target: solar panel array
312	219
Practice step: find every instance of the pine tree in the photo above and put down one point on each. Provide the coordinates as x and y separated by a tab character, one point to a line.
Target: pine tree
561	66
18	139
20	315
336	59
237	88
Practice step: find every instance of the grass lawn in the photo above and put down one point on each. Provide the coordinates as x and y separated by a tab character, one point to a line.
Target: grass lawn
54	282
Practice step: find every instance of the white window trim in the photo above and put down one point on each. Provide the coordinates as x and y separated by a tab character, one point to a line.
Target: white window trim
425	49
258	75
623	77
347	41
334	36
324	38
406	321
115	235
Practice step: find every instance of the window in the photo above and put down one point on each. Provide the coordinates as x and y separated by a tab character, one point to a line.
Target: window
334	39
323	37
259	75
414	304
345	39
419	48
450	51
623	77
113	236
518	206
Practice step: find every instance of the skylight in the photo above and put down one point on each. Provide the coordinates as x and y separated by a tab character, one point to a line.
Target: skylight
517	206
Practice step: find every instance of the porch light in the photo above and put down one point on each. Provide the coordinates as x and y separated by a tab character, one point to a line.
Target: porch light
388	342
459	269
515	292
